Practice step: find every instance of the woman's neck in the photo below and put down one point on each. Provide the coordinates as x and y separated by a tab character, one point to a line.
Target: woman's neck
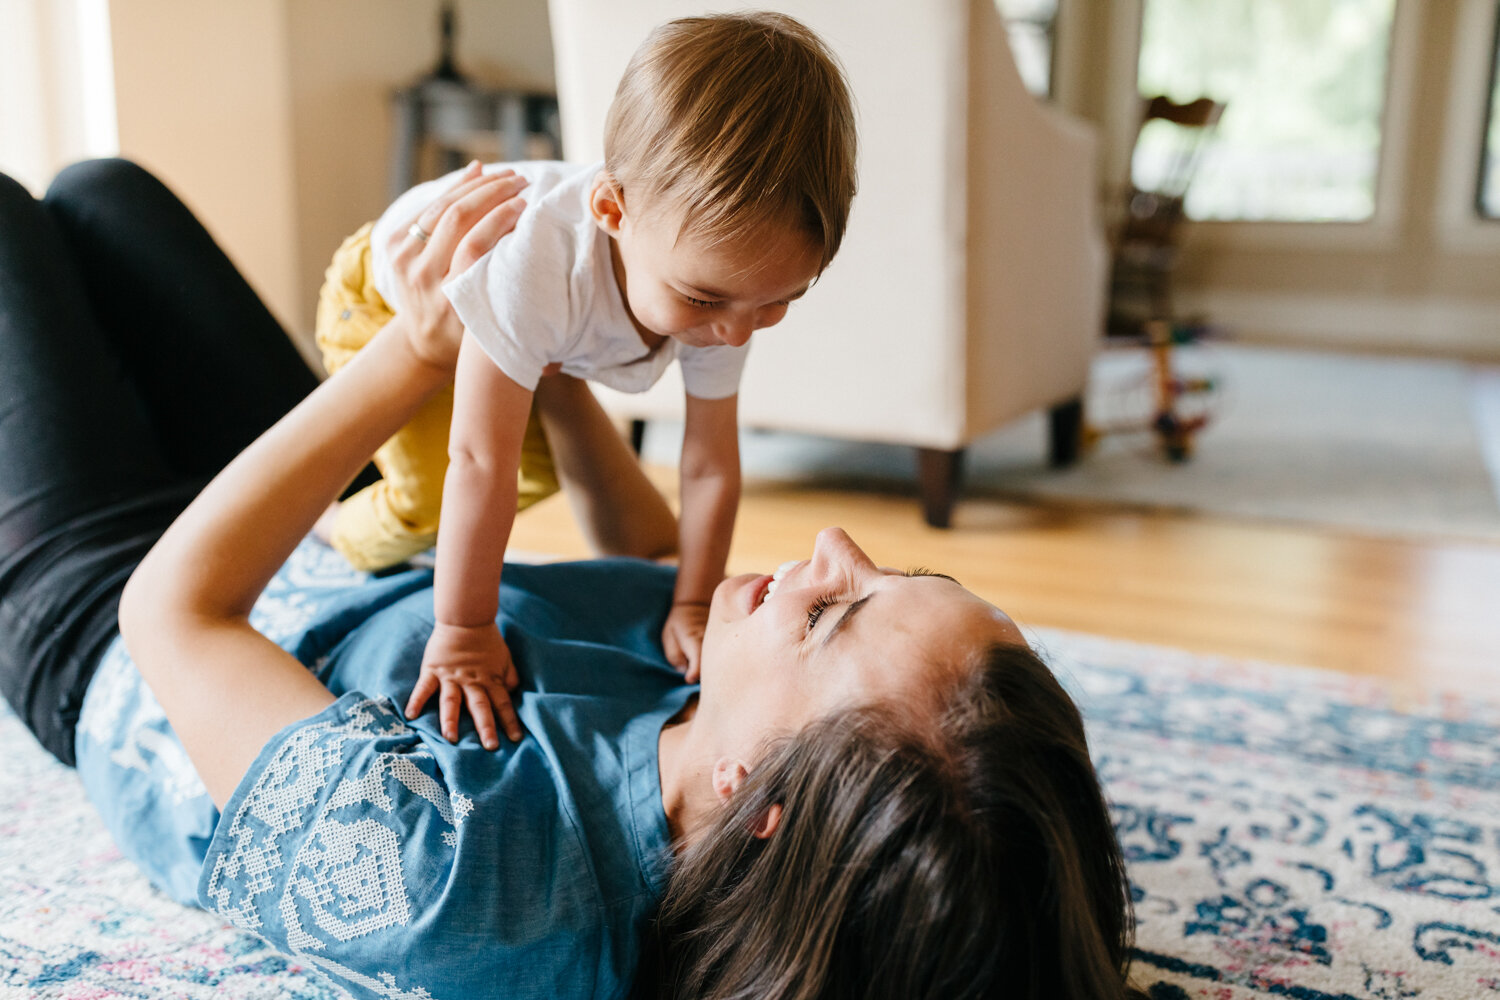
687	795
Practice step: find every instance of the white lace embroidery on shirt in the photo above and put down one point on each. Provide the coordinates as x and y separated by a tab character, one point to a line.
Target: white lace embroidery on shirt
114	686
290	602
122	714
346	875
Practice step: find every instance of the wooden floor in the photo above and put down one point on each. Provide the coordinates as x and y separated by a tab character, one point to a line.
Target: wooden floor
1424	616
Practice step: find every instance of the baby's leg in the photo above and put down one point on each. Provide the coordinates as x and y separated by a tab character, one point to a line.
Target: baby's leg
617	508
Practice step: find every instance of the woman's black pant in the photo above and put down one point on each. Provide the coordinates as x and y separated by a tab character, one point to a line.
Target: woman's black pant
135	362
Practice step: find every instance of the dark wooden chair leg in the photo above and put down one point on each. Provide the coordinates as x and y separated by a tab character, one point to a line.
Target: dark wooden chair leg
1066	432
637	436
940	471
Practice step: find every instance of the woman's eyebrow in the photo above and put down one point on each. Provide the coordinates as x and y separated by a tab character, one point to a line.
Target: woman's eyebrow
921	571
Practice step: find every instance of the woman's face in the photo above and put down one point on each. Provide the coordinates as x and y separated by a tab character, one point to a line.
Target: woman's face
834	632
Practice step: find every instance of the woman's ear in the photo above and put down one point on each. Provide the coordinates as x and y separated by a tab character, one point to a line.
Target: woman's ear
768	822
607	203
728	775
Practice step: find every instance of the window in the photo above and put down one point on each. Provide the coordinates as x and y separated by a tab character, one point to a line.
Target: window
1488	200
1030	25
1304	82
57	78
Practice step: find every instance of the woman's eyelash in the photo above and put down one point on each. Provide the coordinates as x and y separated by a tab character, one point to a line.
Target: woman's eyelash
815	612
702	303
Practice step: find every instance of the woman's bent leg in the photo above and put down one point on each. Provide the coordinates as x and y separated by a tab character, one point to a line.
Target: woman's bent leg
84	488
212	365
73	431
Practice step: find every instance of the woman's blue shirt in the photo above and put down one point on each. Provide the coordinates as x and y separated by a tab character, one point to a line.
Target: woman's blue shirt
399	864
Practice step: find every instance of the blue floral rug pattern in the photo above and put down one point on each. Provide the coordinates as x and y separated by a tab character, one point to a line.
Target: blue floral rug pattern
1290	833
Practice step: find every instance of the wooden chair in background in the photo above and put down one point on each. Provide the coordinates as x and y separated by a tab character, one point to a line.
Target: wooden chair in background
1148	230
1145	241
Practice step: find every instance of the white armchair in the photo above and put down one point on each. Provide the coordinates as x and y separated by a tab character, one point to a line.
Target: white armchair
970	286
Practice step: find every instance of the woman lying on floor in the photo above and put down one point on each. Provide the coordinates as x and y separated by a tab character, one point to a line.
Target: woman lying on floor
876	791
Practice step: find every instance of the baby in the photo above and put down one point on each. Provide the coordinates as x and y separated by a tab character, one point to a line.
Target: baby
724	193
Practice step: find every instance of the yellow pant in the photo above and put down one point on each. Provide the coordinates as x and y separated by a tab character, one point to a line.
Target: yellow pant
396	518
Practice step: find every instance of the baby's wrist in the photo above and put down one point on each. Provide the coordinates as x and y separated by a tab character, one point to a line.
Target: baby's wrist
460	626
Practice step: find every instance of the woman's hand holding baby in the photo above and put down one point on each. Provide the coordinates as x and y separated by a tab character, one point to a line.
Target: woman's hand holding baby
471	666
461	226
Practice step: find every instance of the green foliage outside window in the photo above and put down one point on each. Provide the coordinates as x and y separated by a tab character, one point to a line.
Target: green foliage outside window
1305	84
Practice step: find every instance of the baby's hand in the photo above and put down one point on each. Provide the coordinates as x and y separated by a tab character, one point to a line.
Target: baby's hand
468	665
682	638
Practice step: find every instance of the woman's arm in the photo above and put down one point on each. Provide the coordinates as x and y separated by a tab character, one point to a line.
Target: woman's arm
185	612
710	484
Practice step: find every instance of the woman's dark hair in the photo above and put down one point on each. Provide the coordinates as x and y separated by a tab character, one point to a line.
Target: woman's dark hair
971	859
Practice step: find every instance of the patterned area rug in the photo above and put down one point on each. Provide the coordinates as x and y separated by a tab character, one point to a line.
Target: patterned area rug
78	921
1289	833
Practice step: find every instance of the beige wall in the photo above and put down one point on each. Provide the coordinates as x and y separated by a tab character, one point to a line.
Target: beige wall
270	118
204	100
1423	276
347	58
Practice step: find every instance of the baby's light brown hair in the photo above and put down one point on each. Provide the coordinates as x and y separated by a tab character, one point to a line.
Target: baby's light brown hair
736	121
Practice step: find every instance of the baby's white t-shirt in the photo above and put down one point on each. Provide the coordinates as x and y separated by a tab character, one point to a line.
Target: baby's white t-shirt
547	293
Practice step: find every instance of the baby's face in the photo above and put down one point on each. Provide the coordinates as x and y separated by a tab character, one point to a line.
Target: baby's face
703	294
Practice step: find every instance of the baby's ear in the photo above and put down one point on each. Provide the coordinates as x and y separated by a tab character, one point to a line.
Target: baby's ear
607	202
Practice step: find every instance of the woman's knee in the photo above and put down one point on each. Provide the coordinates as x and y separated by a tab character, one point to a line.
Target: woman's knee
105	180
13	192
111	203
24	227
